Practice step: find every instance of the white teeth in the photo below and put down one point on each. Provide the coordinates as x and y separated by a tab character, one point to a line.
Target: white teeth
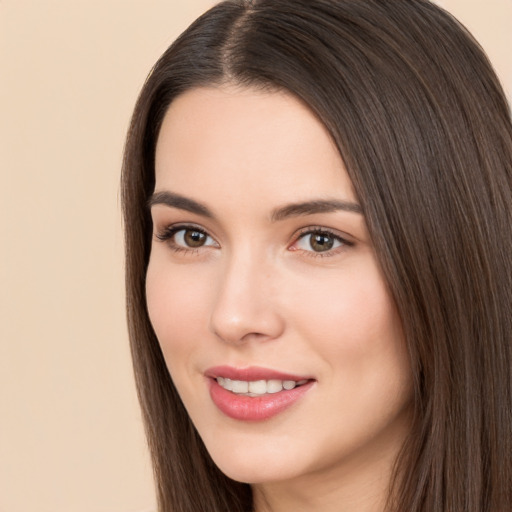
289	384
258	387
274	386
240	386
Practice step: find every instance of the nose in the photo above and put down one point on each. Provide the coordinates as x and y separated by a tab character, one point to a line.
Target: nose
244	306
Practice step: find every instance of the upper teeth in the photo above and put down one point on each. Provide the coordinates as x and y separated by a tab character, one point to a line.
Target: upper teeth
257	387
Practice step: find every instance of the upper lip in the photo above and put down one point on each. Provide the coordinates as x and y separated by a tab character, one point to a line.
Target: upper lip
252	373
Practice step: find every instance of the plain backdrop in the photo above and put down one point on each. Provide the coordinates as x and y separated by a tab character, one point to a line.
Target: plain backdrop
71	437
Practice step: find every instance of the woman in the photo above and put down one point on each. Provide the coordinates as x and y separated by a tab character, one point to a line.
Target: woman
317	199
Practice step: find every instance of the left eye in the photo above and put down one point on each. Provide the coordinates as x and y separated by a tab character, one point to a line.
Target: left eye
318	241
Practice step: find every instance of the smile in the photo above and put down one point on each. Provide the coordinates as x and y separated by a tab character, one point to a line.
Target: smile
255	394
256	388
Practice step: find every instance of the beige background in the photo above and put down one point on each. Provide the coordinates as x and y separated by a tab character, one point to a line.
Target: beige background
70	431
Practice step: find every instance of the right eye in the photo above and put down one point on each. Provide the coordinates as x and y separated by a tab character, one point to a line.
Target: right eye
191	238
186	237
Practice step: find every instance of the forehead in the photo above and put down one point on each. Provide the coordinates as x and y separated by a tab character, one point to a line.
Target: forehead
226	141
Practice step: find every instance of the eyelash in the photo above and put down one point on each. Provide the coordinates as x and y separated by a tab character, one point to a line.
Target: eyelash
322	231
168	233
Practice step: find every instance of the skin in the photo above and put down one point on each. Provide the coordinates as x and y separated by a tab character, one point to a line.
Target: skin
259	293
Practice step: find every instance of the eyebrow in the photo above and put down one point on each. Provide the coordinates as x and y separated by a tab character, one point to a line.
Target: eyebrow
315	206
180	202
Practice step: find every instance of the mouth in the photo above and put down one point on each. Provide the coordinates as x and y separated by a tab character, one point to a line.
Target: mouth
255	394
255	388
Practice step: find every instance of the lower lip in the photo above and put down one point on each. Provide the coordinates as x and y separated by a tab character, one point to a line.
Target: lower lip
258	408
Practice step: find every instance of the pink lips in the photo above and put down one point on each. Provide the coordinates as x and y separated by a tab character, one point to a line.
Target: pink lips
246	408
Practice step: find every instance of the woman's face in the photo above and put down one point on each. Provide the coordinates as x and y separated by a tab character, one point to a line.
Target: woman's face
265	294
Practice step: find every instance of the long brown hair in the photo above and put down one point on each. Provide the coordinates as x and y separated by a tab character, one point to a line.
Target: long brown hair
424	129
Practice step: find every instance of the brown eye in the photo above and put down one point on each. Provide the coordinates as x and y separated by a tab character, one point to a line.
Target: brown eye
319	241
193	238
187	238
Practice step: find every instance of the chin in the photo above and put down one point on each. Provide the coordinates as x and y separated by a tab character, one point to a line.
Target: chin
254	468
249	474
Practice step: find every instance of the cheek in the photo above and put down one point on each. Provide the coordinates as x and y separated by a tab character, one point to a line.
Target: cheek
354	327
177	305
351	322
354	308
